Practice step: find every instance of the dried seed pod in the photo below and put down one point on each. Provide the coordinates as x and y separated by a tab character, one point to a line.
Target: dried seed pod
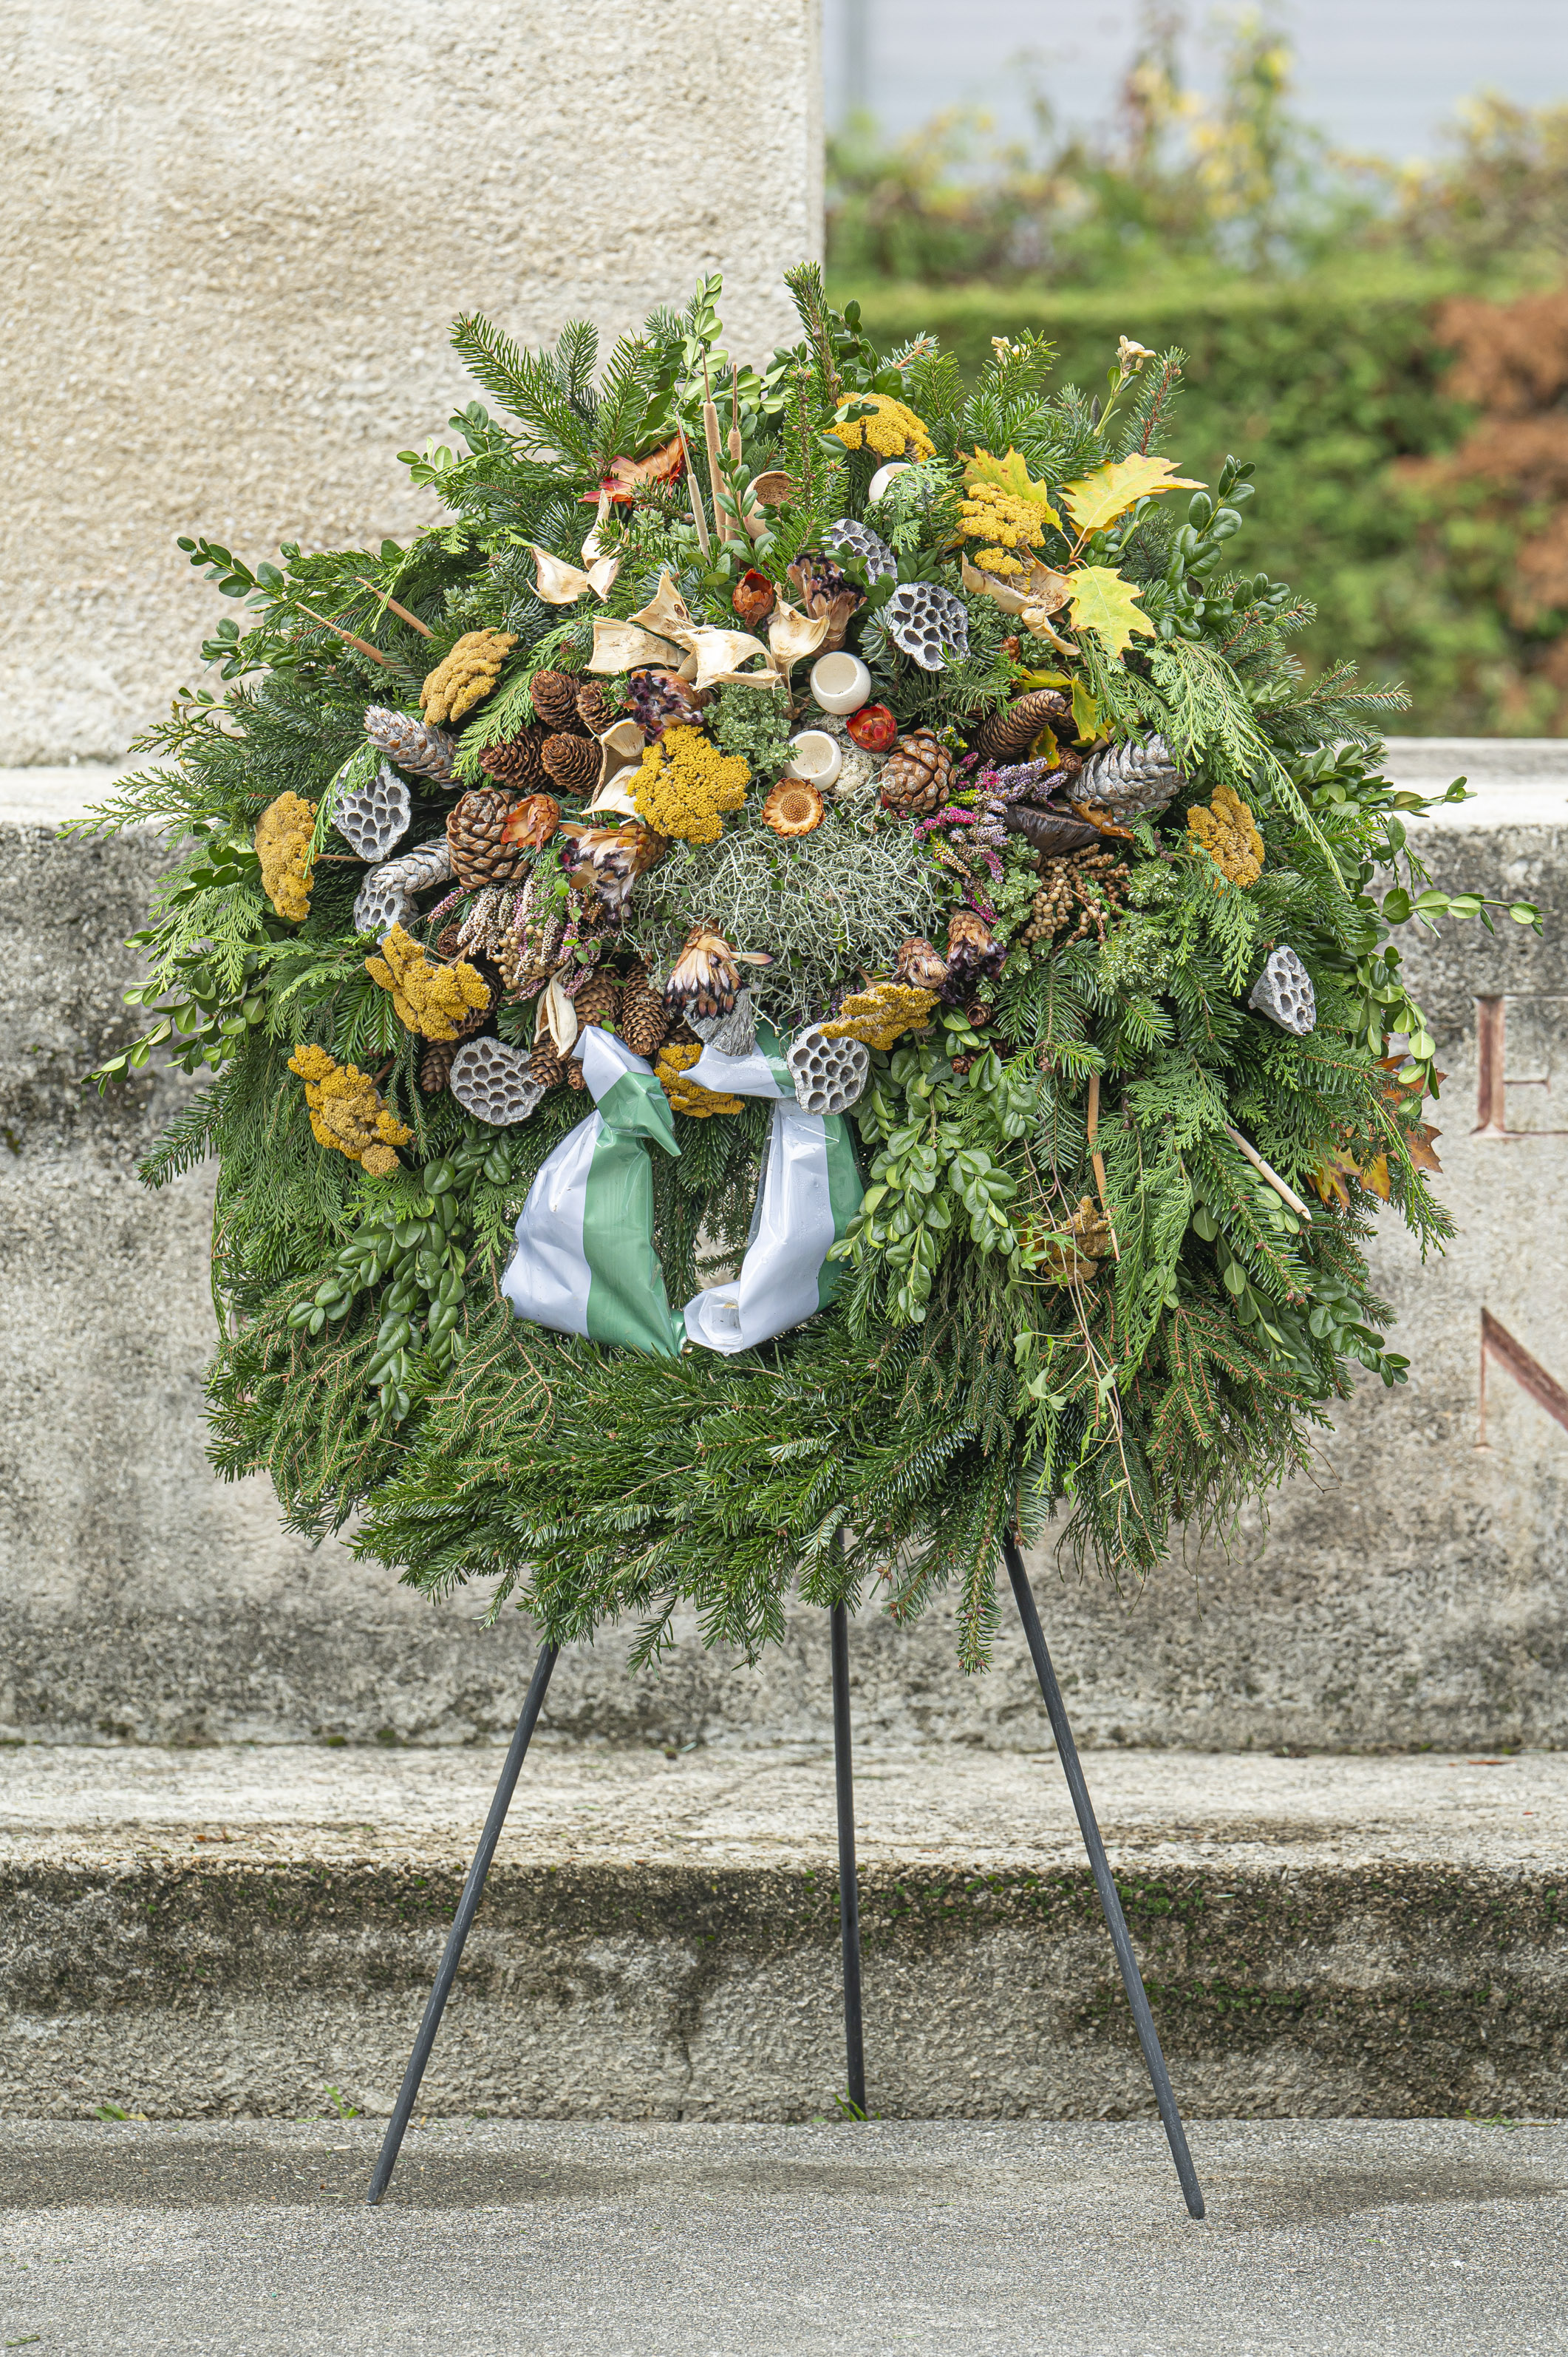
372	818
494	1081
733	1034
531	823
1050	831
414	744
754	599
829	1075
928	623
857	541
1284	993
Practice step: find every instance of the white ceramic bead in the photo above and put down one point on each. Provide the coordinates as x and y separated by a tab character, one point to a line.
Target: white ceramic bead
840	683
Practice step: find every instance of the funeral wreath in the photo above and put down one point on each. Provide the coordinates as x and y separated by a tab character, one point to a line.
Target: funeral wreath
805	962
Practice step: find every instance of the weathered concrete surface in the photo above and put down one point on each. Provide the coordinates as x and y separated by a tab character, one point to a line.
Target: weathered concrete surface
232	256
1333	2239
223	1932
1414	1595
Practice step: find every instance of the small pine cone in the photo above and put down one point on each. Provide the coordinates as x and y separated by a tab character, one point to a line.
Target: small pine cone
974	955
595	709
554	695
598	1001
546	1063
516	763
476	830
414	744
449	942
915	775
644	1022
573	763
1007	735
436	1066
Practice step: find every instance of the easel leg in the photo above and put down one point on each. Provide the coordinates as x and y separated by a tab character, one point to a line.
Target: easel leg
468	1907
849	1887
1116	1922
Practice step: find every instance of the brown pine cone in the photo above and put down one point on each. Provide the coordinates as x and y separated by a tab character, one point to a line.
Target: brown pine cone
436	1066
974	955
449	941
598	1001
595	709
573	763
476	829
1007	735
644	1018
546	1063
915	774
516	762
555	695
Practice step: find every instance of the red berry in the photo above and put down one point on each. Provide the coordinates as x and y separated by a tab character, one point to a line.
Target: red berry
873	727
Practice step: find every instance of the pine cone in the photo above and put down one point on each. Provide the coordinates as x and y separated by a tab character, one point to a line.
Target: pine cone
554	695
436	1066
598	1001
572	764
546	1063
1130	780
1007	735
595	709
516	762
449	942
915	775
644	1018
475	832
414	745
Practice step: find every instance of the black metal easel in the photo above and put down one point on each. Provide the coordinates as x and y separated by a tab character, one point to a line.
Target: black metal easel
849	1891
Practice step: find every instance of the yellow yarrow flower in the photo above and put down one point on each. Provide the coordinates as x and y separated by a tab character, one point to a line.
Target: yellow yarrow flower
685	783
346	1112
434	1000
283	846
690	1096
891	429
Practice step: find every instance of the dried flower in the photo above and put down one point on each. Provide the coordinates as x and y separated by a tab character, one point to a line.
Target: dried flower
685	782
346	1112
1228	832
466	676
890	429
434	1000
1129	357
879	1016
793	808
283	846
690	1096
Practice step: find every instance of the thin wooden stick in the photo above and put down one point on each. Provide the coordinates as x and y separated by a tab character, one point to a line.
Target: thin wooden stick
694	494
1286	1194
364	646
401	611
1098	1160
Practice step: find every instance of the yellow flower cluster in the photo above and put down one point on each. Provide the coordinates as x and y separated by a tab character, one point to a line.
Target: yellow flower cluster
891	430
283	846
879	1016
1004	520
1228	832
434	1000
685	782
690	1096
466	676
1066	1251
346	1112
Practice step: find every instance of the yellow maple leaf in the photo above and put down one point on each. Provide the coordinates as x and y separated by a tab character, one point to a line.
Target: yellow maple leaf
1098	498
1012	475
1102	602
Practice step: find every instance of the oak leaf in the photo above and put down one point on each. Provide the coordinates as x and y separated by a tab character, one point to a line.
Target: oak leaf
1097	498
1102	602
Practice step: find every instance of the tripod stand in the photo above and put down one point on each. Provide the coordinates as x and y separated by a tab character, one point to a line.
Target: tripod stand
849	1902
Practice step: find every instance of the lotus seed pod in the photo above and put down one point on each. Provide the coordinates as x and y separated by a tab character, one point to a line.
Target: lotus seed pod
829	1075
929	624
733	1034
386	895
372	818
1284	993
848	538
494	1082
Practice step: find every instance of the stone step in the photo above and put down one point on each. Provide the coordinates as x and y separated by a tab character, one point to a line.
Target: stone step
237	1930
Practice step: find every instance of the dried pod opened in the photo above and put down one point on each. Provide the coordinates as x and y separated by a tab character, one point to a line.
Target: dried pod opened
775	944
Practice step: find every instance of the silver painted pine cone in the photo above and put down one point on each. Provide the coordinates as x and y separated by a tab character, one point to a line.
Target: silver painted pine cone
1130	780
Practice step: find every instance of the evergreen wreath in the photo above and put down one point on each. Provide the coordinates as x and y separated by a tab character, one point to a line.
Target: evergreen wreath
1078	893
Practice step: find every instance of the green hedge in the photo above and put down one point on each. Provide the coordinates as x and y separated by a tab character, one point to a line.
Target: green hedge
1329	382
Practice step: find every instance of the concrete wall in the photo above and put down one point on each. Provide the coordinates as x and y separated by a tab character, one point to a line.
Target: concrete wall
232	246
1412	1593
